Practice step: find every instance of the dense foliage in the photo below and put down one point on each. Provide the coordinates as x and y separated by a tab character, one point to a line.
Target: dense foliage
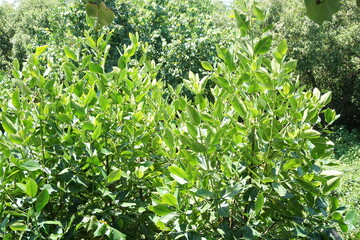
99	138
179	33
328	55
92	152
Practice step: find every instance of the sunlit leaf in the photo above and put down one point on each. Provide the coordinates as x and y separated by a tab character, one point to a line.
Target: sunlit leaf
31	187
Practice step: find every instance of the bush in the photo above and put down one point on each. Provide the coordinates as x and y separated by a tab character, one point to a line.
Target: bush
94	153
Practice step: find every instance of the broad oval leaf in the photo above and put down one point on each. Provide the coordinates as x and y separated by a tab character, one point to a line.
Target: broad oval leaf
259	203
310	133
194	115
8	126
42	200
169	199
31	165
321	10
263	46
69	53
281	51
31	188
97	132
161	210
178	171
15	99
206	65
114	176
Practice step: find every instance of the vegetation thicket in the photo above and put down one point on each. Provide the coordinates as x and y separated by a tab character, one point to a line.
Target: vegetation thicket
99	139
328	55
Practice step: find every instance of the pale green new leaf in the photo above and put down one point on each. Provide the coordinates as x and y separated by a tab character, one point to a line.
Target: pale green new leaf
31	188
114	176
69	53
169	199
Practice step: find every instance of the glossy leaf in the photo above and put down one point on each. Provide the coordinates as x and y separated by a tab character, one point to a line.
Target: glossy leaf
97	132
114	176
15	99
169	199
161	210
178	172
206	65
263	46
8	125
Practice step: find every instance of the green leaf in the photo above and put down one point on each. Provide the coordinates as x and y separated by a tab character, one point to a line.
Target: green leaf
40	50
358	3
178	171
281	51
259	203
90	21
241	21
310	133
18	226
206	65
105	16
92	9
224	211
330	115
115	234
103	103
221	82
31	165
8	126
231	192
239	106
100	230
264	79
352	218
169	199
331	184
70	53
259	14
194	115
263	46
321	10
161	210
89	97
169	138
31	188
97	132
42	200
15	99
95	68
325	99
198	147
114	176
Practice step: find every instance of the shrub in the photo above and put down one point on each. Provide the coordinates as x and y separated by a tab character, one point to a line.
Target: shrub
92	153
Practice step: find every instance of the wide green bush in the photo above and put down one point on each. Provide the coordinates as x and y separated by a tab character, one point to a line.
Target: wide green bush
91	154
